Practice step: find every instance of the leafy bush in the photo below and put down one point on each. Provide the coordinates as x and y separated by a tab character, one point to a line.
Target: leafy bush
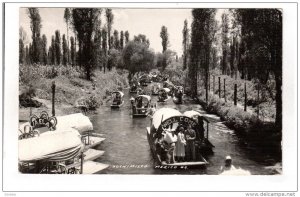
26	98
92	103
233	116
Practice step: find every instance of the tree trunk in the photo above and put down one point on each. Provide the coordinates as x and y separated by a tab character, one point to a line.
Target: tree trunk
68	43
245	101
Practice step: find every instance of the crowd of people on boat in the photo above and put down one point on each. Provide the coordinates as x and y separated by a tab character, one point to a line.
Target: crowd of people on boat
181	144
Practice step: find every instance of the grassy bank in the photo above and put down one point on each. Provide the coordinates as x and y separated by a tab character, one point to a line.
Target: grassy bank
265	102
255	132
71	87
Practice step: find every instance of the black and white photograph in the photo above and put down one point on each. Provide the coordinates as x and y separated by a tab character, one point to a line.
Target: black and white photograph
136	90
196	92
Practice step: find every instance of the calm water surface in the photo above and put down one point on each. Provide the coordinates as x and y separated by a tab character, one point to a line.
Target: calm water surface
127	150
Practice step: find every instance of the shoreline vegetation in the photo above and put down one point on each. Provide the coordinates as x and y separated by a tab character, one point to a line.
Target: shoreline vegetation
72	90
256	131
253	130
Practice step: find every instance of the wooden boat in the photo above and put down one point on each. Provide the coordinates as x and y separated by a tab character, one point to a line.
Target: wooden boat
60	146
165	120
140	105
134	85
155	88
143	82
117	99
133	91
178	95
147	77
163	95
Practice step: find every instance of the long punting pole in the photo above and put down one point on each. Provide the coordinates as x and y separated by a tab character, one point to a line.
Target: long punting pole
81	163
53	98
207	130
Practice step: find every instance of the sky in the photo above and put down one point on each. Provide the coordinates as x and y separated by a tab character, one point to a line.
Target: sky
136	21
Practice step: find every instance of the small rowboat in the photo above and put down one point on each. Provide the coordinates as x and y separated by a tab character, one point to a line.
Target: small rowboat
117	99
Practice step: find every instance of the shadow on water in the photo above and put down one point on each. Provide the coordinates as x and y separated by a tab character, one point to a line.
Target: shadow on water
127	150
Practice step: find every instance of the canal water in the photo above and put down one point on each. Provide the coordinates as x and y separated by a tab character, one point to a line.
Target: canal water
127	150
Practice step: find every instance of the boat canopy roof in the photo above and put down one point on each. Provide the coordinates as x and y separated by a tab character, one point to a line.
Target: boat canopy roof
76	121
166	117
162	114
52	146
144	76
191	113
144	96
165	90
118	92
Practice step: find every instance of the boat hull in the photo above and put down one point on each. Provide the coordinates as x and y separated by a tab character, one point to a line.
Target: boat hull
117	106
163	100
177	101
158	162
139	115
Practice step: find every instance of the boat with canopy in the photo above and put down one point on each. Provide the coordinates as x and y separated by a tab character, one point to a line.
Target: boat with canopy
140	105
178	95
166	121
155	88
117	101
134	85
57	144
144	80
163	94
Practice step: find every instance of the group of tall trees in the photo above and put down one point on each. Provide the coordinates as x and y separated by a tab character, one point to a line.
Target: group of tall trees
261	48
137	56
93	44
246	43
202	35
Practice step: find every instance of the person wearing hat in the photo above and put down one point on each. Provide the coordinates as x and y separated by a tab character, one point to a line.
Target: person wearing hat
228	164
133	105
